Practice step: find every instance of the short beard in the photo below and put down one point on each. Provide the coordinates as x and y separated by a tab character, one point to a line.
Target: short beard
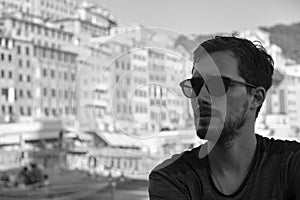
230	130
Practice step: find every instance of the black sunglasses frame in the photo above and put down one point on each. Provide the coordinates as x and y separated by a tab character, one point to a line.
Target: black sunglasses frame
226	81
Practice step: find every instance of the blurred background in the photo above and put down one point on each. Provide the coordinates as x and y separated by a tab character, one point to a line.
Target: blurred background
89	94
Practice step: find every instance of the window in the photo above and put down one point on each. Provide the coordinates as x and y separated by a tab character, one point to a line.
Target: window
32	27
66	94
18	50
45	92
66	57
27	51
3	109
28	63
10	74
20	63
29	94
21	110
2	74
65	76
67	110
53	92
44	52
21	93
59	74
128	81
44	72
35	51
28	79
46	111
59	55
2	56
20	78
52	74
9	57
29	111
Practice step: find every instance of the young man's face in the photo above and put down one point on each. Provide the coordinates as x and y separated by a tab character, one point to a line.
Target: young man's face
220	116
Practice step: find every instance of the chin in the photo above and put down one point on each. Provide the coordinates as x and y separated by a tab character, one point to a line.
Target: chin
210	134
201	133
209	129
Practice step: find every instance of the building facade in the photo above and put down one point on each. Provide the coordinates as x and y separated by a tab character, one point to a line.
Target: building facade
44	71
46	9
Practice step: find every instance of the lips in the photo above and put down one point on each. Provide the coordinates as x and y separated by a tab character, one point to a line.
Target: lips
206	112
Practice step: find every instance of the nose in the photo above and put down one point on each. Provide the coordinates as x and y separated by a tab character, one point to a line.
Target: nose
202	99
204	96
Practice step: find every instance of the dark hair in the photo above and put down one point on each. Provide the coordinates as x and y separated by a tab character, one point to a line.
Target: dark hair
255	65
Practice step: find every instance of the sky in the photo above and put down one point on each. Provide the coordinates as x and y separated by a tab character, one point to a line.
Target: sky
204	16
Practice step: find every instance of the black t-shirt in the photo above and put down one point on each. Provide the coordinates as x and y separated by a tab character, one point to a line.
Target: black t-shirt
274	174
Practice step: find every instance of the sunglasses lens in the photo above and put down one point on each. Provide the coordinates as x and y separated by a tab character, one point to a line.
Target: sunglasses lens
191	87
217	86
197	84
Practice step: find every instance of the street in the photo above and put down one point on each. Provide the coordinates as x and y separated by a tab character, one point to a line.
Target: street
129	190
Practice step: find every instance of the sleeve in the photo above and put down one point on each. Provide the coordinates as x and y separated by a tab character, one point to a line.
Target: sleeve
295	175
164	187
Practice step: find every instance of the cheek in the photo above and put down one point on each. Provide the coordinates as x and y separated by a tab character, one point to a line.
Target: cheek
236	105
194	103
229	105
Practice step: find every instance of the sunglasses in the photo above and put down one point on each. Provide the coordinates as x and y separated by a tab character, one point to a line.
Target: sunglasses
216	86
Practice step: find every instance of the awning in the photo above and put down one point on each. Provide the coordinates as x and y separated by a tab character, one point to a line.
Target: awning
80	135
120	140
28	136
45	135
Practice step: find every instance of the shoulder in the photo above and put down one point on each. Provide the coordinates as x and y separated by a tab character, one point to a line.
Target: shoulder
179	163
277	146
170	178
178	169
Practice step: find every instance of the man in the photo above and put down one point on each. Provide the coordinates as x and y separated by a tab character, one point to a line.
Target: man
229	82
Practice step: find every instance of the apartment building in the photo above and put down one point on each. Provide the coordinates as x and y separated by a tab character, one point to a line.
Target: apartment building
89	19
45	72
139	98
92	87
47	9
7	80
293	95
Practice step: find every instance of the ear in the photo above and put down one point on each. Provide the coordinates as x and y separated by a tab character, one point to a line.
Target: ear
258	97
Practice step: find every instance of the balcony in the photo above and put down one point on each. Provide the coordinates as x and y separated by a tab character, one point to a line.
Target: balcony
97	103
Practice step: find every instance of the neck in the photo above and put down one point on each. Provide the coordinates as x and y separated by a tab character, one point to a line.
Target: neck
235	157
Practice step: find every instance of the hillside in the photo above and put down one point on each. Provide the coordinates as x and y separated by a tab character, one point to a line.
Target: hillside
287	37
